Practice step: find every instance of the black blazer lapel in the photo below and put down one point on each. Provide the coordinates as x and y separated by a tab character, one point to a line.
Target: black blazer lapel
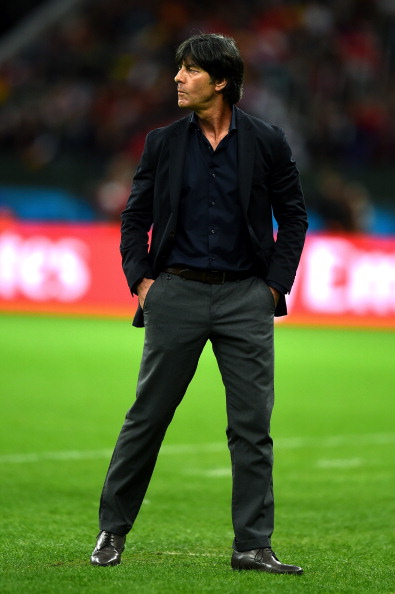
177	152
246	156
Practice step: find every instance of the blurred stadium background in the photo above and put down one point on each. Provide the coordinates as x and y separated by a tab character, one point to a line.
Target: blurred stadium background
83	81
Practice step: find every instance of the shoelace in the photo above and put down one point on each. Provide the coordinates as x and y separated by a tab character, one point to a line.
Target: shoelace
108	539
261	552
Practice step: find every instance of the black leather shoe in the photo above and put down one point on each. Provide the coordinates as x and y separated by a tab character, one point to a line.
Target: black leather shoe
108	550
262	560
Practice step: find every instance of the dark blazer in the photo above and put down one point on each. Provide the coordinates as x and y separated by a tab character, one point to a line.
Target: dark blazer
268	182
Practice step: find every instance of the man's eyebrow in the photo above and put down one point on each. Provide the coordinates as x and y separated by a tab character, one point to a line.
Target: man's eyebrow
190	64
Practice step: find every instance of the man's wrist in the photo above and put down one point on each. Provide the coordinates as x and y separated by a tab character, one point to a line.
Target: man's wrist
135	287
280	288
141	284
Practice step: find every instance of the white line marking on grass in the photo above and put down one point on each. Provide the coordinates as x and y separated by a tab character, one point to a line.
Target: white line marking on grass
174	449
218	472
212	473
61	456
194	448
335	440
190	554
339	464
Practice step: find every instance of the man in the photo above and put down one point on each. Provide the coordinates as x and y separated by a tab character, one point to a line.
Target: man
207	185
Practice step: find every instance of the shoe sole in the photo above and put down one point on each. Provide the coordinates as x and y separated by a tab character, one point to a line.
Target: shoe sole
244	565
110	564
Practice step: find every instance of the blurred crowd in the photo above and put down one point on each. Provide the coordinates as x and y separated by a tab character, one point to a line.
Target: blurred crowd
94	84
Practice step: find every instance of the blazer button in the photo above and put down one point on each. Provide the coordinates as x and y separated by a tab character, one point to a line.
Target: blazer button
172	233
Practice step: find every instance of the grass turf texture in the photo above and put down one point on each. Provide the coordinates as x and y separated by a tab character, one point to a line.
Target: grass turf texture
66	385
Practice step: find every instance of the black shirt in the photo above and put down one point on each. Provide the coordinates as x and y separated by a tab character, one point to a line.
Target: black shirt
211	232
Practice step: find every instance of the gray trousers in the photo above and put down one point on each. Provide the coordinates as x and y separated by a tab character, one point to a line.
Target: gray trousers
180	316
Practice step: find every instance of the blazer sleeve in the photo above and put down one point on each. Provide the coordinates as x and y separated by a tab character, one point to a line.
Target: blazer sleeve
137	218
290	213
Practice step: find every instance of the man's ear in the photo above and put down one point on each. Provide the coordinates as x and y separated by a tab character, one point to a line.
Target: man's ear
220	85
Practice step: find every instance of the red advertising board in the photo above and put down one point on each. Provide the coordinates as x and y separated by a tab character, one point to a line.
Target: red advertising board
69	269
76	269
345	280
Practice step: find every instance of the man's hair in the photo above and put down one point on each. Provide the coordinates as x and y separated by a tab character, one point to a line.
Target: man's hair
219	56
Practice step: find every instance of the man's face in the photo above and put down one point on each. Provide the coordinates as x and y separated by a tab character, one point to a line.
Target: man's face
196	89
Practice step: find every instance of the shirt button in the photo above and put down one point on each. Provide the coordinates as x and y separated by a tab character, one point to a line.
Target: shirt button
212	203
212	231
213	175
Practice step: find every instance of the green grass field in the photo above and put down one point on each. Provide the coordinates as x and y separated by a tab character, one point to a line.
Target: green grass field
65	387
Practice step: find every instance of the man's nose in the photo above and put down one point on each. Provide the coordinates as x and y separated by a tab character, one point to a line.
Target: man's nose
178	77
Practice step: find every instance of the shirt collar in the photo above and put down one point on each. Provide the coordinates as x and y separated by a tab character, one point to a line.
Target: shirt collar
194	120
